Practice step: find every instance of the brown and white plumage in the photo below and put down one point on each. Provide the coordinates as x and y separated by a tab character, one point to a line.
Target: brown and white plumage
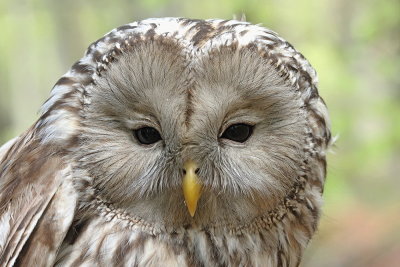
79	188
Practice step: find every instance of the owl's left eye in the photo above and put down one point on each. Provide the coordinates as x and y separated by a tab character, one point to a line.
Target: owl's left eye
238	132
147	135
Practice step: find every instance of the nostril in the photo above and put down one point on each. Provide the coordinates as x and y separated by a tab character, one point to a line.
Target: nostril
196	171
184	171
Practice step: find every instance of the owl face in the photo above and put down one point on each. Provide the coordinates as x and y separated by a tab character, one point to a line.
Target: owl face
160	105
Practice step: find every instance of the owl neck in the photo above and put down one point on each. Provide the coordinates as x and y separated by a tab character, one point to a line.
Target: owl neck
294	208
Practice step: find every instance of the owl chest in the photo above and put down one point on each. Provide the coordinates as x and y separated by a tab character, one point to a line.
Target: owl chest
106	244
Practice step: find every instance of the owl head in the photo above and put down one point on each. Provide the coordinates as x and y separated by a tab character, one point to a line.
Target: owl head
181	122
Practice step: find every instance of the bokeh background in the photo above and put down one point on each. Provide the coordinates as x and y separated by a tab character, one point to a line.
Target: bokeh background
353	45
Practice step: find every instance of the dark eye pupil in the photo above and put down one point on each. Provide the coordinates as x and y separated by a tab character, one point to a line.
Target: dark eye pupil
147	135
238	132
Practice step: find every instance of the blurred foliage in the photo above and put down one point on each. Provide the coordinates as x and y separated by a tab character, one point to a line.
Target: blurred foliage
353	45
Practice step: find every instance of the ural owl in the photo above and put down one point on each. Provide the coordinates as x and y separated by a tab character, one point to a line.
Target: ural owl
172	142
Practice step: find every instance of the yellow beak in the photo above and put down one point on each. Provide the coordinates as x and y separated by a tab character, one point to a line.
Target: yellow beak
191	186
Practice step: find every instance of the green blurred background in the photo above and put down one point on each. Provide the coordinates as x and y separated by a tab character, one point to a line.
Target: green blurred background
353	45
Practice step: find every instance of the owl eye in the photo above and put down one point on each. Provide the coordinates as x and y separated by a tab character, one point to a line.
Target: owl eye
238	132
147	135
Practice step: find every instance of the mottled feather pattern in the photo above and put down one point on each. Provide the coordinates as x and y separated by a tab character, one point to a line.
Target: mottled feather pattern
74	192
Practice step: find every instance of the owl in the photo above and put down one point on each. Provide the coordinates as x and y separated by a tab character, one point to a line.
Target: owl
172	142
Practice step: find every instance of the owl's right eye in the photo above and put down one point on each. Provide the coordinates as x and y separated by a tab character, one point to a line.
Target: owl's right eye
147	135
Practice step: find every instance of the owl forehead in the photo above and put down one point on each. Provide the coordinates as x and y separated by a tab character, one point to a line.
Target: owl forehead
161	77
196	36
